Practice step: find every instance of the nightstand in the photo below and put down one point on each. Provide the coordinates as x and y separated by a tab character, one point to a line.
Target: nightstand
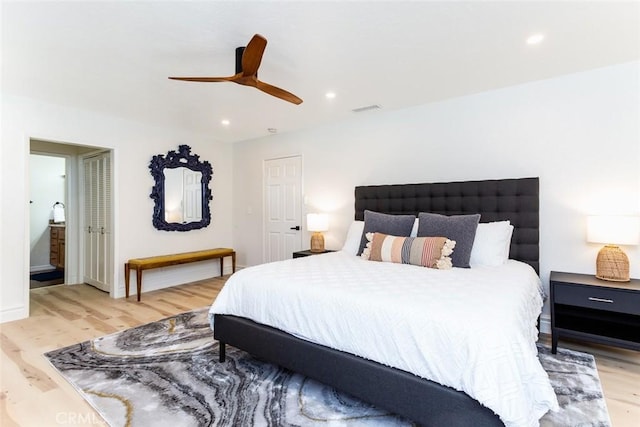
308	252
591	309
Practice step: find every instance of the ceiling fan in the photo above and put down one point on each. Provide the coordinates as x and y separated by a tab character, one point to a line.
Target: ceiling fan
247	62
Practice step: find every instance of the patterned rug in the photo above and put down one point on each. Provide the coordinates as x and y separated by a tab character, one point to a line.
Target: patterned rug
166	373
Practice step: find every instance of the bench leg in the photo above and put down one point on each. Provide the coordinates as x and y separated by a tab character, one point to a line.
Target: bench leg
221	266
233	262
127	271
139	281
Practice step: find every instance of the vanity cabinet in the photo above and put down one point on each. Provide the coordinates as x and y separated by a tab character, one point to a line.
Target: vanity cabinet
56	250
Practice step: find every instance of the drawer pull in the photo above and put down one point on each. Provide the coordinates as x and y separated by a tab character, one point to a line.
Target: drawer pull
600	300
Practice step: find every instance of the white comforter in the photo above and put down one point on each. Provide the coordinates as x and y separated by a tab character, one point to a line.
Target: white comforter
470	329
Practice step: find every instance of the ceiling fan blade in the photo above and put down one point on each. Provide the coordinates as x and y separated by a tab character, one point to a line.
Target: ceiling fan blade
204	79
252	55
248	76
277	92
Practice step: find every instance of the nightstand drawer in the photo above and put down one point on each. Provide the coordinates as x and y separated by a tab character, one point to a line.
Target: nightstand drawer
609	299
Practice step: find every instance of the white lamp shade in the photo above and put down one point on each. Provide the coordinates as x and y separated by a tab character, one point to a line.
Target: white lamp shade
317	222
613	229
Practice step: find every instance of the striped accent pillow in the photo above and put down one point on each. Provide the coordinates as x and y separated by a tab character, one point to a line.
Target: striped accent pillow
432	252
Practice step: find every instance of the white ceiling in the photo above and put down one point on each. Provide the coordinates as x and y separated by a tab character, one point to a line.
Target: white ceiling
115	57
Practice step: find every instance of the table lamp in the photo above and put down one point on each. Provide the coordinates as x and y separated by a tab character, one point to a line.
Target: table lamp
613	230
317	223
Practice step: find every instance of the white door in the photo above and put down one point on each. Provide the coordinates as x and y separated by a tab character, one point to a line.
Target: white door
97	221
192	195
283	200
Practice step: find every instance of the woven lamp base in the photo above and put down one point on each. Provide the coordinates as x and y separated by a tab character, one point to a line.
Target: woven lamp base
317	242
612	264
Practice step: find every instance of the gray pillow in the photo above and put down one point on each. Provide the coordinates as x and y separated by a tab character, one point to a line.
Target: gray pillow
461	228
393	225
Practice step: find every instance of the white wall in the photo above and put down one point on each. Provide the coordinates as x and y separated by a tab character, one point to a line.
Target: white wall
46	187
133	146
579	133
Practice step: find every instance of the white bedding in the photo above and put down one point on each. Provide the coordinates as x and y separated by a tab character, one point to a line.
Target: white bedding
470	329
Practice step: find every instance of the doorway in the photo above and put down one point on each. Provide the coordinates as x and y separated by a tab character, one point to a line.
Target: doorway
283	202
73	253
47	222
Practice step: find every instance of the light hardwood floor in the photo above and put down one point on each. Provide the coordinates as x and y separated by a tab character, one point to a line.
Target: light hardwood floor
33	394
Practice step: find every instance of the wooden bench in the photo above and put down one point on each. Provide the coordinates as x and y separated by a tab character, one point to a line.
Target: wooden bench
140	264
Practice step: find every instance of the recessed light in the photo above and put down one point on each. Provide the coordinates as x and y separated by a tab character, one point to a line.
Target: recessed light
225	122
330	95
535	39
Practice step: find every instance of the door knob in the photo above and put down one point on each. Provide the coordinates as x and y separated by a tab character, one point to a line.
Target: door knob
297	227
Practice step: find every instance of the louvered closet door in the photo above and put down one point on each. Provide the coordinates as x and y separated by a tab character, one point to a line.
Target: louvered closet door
97	221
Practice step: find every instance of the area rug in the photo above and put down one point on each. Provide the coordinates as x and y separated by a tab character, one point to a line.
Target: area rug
47	276
166	373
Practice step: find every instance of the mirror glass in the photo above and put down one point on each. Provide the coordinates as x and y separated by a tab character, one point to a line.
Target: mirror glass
181	192
182	195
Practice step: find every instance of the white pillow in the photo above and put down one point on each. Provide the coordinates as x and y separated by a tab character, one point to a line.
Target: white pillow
414	230
352	242
491	244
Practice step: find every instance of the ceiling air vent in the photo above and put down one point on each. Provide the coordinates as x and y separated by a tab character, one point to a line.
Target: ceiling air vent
367	108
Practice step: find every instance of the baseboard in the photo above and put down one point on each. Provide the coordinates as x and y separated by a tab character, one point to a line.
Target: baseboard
40	268
545	324
14	313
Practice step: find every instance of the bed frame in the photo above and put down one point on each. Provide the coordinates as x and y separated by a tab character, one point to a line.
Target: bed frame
423	401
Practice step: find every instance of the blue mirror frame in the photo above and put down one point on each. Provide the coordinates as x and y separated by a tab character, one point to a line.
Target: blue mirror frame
178	159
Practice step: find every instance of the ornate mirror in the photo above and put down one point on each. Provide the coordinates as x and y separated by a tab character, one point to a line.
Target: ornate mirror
181	192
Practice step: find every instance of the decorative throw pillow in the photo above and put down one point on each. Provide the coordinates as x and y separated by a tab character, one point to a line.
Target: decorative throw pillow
432	252
491	244
396	225
461	228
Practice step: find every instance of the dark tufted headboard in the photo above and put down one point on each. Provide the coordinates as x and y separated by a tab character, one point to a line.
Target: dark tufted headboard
495	200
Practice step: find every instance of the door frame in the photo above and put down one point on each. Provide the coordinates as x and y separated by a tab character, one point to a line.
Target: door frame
264	200
73	211
72	266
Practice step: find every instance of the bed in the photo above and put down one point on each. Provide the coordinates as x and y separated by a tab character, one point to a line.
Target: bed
375	379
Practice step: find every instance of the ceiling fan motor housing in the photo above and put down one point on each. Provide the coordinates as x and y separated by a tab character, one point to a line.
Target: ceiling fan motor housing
239	52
